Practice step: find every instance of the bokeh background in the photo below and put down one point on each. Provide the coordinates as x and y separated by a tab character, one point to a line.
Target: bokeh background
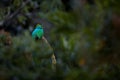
84	35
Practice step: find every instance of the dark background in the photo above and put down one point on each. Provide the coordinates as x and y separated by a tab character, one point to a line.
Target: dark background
84	35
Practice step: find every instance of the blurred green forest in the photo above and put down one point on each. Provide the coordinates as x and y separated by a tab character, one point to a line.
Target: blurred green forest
84	35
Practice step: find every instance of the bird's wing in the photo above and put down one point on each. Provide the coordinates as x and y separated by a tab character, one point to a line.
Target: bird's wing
34	33
39	33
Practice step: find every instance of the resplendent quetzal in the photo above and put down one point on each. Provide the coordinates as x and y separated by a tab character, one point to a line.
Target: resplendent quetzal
37	34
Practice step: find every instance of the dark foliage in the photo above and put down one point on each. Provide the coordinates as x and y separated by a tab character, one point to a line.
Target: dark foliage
84	35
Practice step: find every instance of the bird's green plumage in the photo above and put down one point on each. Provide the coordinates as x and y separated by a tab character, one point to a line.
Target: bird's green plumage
37	32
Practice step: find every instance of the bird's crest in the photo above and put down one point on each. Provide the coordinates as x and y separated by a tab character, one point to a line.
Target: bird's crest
38	26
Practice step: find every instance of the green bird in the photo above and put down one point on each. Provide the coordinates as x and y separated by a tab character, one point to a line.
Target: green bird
38	32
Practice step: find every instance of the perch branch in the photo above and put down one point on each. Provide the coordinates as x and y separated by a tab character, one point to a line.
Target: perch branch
53	56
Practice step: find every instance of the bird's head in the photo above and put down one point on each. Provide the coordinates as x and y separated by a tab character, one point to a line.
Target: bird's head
38	26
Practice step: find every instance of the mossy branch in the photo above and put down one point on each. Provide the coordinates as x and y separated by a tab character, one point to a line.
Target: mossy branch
53	55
